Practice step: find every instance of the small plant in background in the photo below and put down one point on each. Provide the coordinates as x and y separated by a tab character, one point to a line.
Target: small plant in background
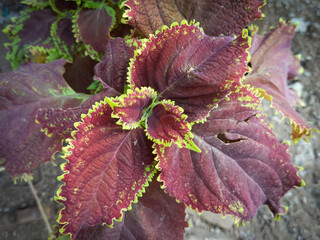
174	118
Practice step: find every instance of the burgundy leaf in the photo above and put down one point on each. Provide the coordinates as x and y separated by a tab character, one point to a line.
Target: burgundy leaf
192	69
22	93
156	215
79	73
242	165
31	29
131	107
61	121
217	17
107	167
167	124
112	70
100	232
92	26
273	65
63	5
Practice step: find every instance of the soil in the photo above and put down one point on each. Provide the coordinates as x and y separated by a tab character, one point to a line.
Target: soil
20	218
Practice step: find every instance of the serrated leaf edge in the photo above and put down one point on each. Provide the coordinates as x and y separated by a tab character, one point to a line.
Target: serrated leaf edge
118	101
185	142
297	129
149	40
67	153
89	51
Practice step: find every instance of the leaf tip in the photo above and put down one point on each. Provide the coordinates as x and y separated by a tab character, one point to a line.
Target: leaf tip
278	215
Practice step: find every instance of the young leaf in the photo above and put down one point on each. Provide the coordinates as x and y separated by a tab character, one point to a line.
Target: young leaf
217	17
167	124
107	167
22	93
273	65
112	70
130	108
31	29
192	69
92	26
242	165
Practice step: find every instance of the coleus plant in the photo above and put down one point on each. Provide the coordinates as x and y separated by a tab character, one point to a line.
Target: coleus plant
177	123
75	30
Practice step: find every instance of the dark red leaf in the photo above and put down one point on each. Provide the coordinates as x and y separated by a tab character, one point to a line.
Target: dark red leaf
242	165
217	17
155	216
107	167
92	27
112	70
167	124
79	74
130	107
192	69
63	5
22	93
273	65
63	37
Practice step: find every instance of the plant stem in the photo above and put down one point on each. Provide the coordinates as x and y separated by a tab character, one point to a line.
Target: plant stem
35	195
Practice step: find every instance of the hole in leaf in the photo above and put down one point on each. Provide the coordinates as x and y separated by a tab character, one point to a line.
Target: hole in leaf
224	139
248	118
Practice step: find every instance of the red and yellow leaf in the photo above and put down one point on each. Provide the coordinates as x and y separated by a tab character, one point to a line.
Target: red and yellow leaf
167	124
113	68
23	93
131	108
190	68
217	17
155	216
242	165
111	72
107	168
273	66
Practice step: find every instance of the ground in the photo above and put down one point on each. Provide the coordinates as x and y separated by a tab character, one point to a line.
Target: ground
20	218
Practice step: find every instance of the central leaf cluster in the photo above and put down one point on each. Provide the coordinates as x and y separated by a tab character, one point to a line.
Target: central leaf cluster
162	120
